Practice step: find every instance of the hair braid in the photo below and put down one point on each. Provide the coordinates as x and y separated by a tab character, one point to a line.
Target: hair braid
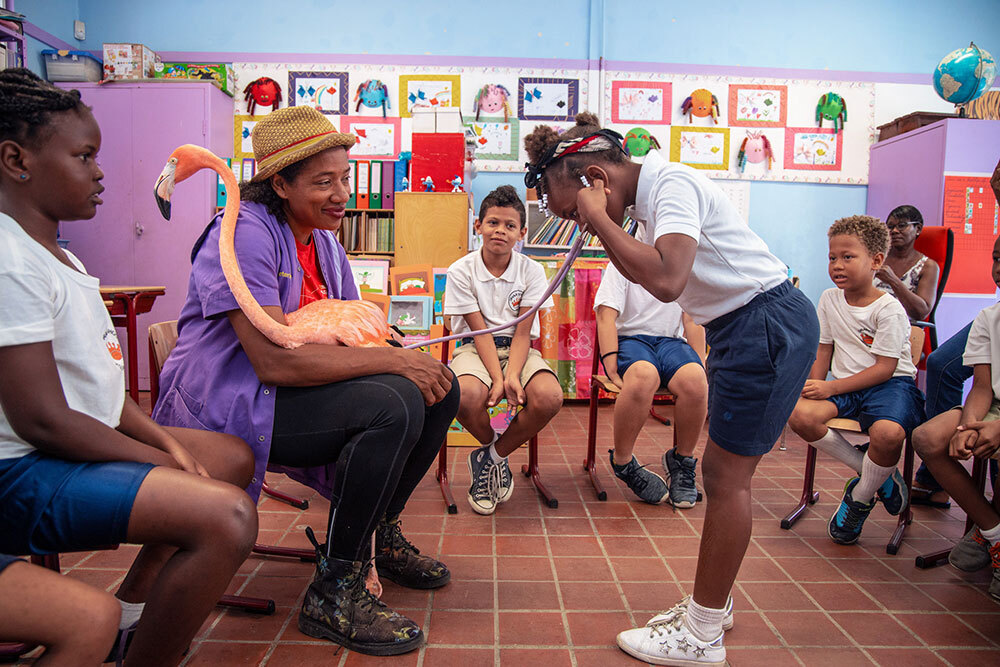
26	102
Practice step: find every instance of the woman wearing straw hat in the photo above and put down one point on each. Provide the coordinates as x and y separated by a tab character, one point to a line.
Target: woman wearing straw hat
360	425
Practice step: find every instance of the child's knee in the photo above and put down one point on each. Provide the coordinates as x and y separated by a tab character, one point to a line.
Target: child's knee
692	385
104	614
803	418
886	434
548	399
234	522
642	376
926	444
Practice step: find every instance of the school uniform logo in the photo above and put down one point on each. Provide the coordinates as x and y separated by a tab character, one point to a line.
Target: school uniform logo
867	336
114	347
514	299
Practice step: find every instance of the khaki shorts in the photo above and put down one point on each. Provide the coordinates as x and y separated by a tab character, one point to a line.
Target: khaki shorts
466	361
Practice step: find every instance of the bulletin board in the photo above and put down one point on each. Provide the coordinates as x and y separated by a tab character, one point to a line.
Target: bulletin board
520	99
782	110
971	211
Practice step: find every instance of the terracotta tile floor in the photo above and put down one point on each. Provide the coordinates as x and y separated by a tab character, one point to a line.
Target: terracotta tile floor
538	586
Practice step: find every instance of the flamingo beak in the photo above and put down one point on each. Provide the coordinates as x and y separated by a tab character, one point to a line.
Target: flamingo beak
164	187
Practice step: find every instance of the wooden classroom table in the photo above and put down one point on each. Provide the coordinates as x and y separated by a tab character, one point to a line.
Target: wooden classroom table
125	303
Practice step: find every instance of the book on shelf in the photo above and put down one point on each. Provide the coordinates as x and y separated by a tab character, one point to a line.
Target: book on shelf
558	232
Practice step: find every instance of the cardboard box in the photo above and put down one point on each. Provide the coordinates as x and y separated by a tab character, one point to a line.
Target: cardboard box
221	73
128	61
440	120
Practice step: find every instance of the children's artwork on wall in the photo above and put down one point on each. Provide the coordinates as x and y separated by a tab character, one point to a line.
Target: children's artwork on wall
243	127
701	103
757	106
700	147
248	168
492	98
541	98
412	279
411	313
379	299
324	91
440	283
495	139
370	275
638	141
832	107
377	137
264	91
640	102
428	91
755	149
372	94
813	148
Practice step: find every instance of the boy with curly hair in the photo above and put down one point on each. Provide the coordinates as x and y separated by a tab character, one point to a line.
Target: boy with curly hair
864	343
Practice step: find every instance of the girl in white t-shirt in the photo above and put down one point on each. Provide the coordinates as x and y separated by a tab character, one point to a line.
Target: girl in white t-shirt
972	431
81	465
762	332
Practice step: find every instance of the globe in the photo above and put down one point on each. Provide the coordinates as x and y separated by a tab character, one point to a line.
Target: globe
964	74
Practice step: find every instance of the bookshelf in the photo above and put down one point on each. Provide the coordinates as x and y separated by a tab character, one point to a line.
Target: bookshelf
553	233
368	231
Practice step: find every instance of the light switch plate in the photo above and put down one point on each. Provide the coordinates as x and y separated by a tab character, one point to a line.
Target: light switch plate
80	30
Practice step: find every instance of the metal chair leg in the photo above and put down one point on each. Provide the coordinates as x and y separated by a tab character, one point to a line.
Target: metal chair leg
442	478
531	470
809	496
298	503
590	463
906	516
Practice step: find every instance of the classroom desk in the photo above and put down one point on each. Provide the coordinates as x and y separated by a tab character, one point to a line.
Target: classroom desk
125	303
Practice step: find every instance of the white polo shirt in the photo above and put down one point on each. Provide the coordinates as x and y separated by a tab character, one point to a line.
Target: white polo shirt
472	287
858	333
984	346
639	312
732	264
43	300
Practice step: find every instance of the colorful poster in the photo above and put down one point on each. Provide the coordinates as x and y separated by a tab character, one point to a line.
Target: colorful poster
428	91
324	91
377	137
972	213
495	138
640	102
757	106
243	128
700	147
547	99
813	148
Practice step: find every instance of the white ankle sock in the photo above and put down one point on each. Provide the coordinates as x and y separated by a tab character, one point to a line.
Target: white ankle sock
839	448
703	622
992	535
494	455
872	477
131	611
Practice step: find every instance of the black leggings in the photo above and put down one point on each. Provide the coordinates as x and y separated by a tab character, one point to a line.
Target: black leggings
382	437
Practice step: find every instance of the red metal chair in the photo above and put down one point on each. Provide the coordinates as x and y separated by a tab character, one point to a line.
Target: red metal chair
938	243
597	384
529	470
927	561
162	338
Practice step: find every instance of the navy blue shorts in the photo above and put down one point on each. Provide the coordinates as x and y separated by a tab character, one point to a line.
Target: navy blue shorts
897	399
6	560
666	354
48	505
758	361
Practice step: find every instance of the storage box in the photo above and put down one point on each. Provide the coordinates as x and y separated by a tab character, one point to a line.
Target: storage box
128	61
439	119
911	121
221	73
439	155
63	65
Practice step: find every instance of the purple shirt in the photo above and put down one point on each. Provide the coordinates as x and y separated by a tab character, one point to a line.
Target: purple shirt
208	382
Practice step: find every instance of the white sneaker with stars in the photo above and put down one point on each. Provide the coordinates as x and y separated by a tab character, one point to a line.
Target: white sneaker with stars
681	608
671	642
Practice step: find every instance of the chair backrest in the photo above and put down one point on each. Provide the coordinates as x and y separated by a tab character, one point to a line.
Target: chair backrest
916	343
938	243
162	338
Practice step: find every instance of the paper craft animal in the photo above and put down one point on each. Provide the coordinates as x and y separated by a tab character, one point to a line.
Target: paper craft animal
329	321
701	103
639	141
755	149
491	98
832	107
372	93
263	91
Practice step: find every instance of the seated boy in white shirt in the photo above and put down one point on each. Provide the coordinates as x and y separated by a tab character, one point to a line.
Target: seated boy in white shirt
972	430
865	343
486	289
643	347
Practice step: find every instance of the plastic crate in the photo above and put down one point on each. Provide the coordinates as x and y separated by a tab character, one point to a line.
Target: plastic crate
62	65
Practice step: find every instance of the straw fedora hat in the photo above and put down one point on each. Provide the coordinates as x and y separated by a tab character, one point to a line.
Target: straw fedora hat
292	134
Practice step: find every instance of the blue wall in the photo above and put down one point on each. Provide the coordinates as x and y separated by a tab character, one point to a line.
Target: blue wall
863	35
